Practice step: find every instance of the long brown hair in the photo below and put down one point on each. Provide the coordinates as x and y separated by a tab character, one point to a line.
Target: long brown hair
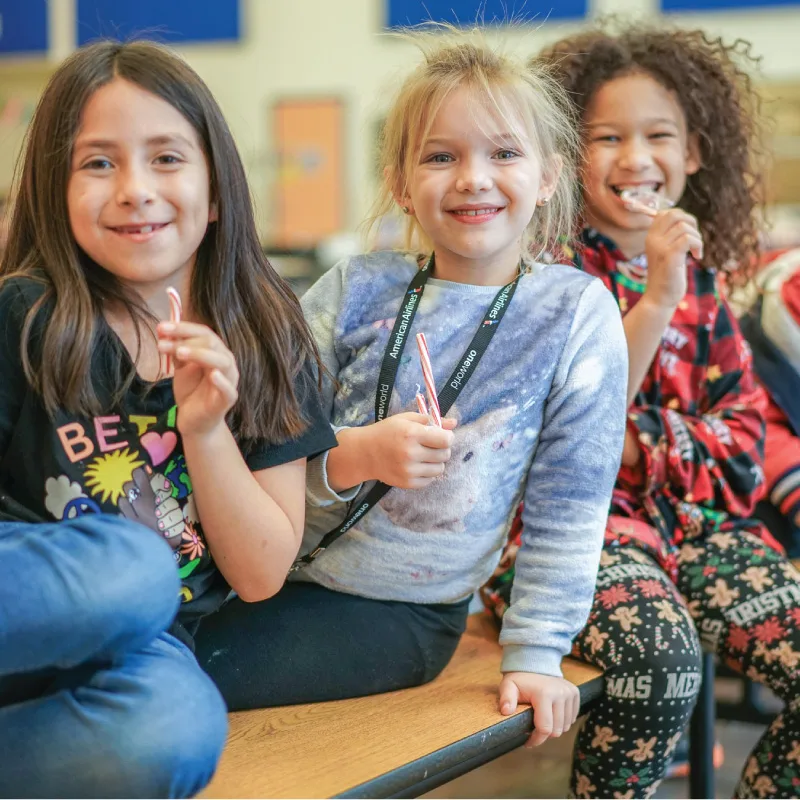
234	289
711	80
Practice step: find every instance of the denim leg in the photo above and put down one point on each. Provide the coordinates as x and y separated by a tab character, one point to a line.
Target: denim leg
151	725
80	590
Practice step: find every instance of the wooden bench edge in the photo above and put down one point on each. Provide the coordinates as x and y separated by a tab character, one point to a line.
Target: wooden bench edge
456	759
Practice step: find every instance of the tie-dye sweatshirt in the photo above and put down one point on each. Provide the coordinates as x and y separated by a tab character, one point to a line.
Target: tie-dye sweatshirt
542	420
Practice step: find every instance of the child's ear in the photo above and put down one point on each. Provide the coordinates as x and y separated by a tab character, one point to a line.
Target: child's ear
213	215
693	160
398	191
550	176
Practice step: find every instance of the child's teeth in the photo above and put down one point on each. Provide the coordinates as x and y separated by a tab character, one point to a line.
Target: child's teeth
147	229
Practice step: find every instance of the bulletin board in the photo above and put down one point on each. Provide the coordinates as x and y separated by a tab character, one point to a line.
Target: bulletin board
401	13
23	27
309	185
170	21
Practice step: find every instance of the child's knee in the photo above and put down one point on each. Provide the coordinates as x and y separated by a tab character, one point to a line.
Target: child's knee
173	734
177	756
665	679
125	569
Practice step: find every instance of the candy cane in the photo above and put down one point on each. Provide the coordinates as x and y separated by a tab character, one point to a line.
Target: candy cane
175	311
645	201
427	374
630	638
421	404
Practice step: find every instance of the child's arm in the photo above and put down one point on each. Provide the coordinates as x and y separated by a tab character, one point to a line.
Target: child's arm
253	521
715	456
564	513
782	463
672	234
402	450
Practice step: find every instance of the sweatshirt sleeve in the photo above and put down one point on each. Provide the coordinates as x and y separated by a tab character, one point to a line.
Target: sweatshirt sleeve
568	490
321	305
714	456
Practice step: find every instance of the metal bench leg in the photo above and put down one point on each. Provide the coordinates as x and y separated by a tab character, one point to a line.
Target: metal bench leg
701	736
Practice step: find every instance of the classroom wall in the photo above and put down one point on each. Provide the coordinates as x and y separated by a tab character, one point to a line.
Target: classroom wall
315	48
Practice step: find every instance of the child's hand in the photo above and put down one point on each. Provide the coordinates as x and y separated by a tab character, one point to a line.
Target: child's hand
407	452
555	703
672	235
205	378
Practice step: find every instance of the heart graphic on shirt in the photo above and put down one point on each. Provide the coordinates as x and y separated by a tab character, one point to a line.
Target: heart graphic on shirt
158	445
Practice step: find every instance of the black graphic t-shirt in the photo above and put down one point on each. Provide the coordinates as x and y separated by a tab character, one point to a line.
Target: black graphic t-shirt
126	461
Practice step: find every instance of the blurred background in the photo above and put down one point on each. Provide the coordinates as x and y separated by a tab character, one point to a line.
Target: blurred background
304	85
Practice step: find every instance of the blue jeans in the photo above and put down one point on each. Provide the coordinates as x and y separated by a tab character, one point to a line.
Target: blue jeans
96	699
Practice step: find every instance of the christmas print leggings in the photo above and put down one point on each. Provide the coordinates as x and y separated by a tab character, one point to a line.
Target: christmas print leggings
734	596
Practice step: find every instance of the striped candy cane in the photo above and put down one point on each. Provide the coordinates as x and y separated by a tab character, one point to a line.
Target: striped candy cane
421	404
175	310
427	374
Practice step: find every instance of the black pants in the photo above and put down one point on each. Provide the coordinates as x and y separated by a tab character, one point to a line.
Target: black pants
309	644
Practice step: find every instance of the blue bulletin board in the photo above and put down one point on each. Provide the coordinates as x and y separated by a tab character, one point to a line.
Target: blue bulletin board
23	26
174	21
722	5
400	13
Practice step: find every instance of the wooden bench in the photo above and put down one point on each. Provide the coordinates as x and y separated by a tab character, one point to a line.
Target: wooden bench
400	744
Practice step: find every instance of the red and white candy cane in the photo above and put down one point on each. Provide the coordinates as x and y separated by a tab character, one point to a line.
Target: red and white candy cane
427	374
175	311
421	404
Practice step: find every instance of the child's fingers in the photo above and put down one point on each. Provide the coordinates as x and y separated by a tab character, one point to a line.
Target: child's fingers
559	724
209	359
448	423
208	342
509	696
418	483
542	724
224	390
689	241
431	455
684	238
183	330
436	438
429	470
576	706
676	216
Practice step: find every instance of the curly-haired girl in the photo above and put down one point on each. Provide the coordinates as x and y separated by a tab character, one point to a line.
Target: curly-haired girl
671	115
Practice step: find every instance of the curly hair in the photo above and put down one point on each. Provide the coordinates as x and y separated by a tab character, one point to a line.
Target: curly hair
711	81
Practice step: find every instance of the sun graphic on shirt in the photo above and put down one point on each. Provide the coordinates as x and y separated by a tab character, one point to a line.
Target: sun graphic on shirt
107	474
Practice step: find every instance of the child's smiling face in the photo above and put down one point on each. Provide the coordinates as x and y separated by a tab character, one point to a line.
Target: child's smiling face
139	190
635	136
474	190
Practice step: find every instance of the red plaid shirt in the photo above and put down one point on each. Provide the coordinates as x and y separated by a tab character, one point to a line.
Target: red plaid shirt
698	417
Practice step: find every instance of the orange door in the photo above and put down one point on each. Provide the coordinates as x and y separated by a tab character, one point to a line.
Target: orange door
310	190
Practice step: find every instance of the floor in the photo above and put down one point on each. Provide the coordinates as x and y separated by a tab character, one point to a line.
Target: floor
544	772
